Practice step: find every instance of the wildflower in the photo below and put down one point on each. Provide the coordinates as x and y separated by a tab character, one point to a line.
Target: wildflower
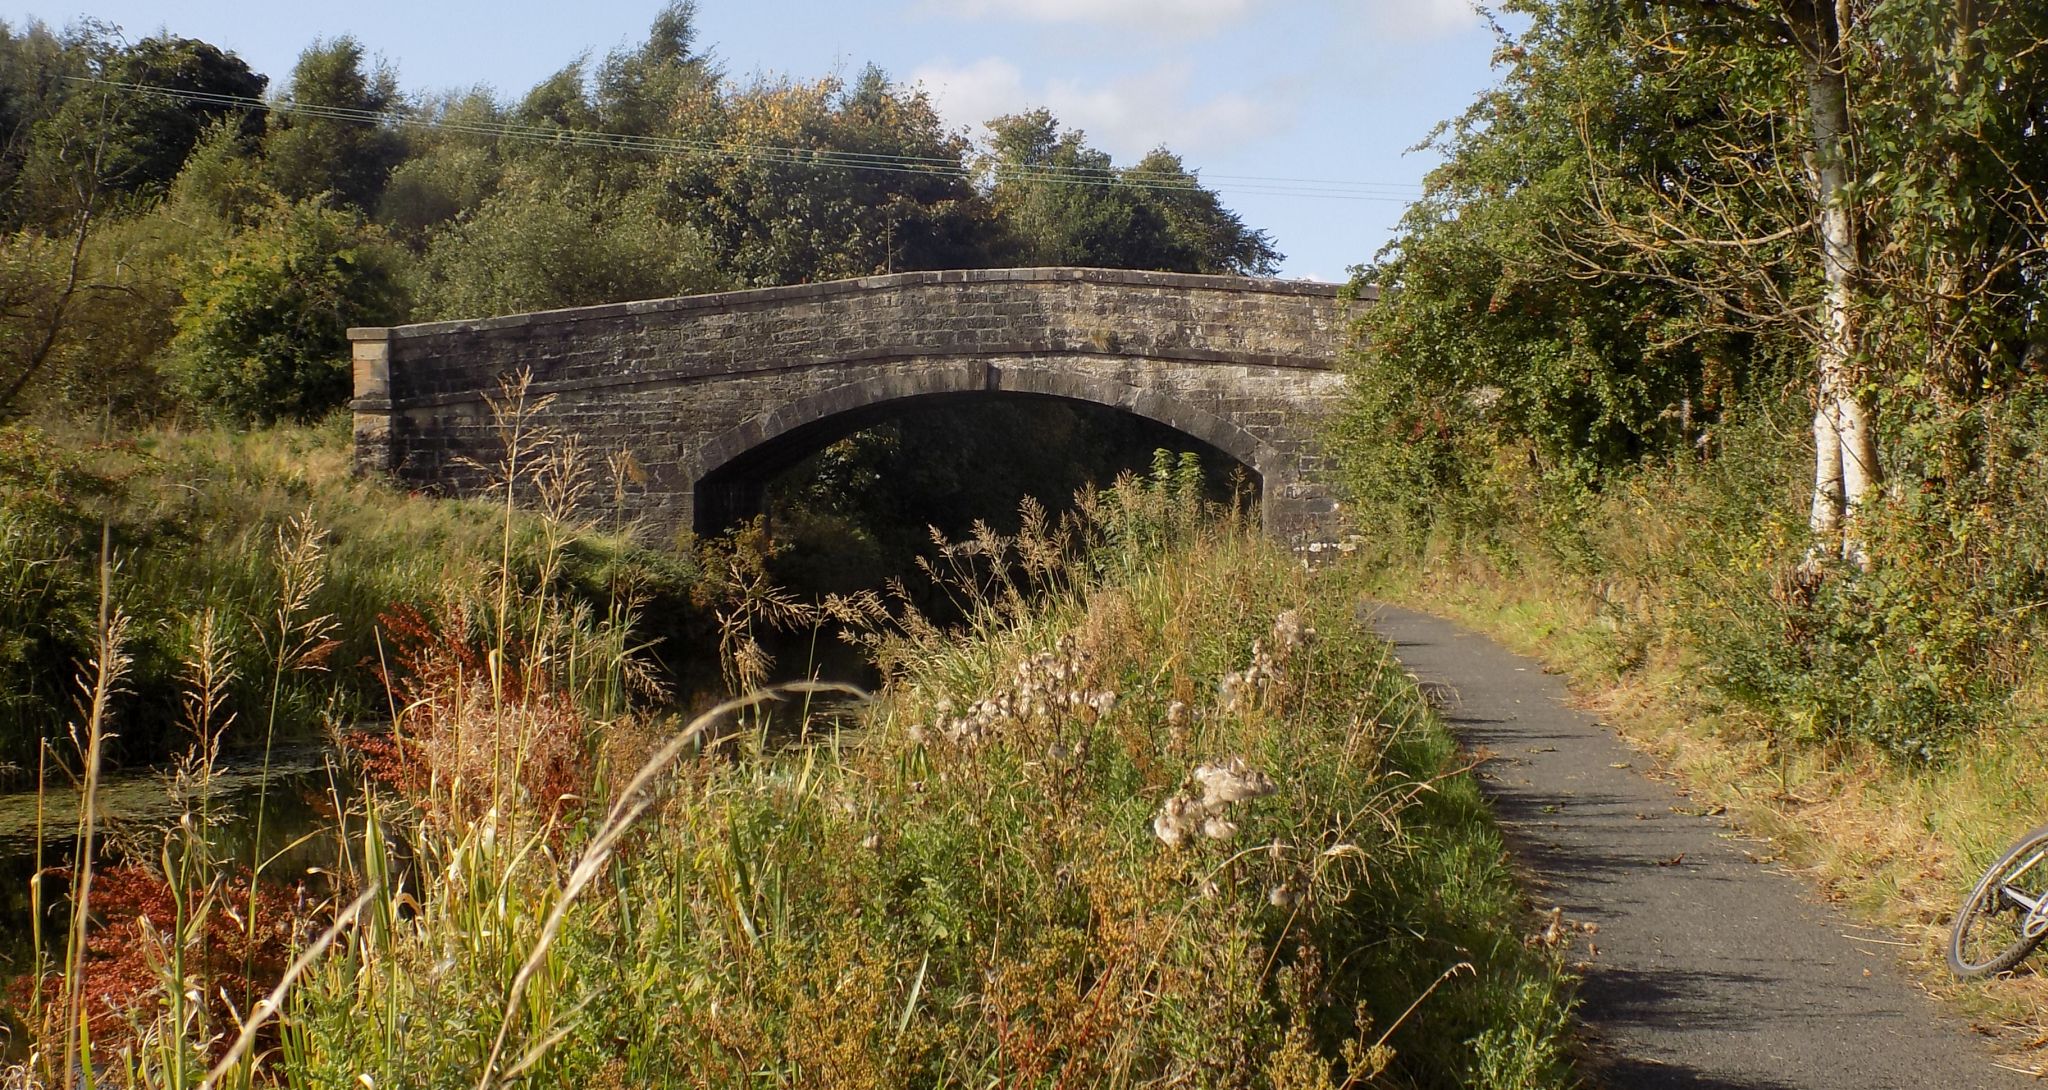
1231	691
1283	896
1222	784
1289	632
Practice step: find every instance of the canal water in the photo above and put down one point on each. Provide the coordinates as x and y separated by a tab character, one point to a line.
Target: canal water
308	787
140	809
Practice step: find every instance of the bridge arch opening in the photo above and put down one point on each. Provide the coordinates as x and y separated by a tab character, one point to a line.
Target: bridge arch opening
945	460
730	472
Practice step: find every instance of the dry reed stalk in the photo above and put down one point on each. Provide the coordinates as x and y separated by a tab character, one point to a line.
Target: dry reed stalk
110	663
304	640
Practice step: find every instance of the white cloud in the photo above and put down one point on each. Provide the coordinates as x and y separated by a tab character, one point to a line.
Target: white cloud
1126	117
1405	19
1176	17
967	95
1422	18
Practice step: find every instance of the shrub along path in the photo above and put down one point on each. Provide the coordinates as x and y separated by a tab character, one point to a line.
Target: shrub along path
1707	971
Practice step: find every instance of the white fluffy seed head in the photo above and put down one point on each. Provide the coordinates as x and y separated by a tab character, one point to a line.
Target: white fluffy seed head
1232	781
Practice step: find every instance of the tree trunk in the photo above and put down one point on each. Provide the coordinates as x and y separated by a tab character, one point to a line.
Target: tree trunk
1845	462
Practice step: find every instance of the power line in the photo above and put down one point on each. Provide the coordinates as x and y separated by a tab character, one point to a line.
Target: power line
597	140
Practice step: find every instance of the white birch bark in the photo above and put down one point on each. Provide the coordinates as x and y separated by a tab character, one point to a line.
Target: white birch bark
1845	441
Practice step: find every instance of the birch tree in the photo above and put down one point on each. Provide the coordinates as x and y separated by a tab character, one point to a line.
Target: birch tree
1846	467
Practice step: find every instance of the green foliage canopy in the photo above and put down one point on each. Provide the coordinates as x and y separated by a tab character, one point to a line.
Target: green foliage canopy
1061	202
643	173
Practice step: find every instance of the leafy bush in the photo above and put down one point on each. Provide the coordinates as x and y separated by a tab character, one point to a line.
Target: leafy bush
1916	654
262	336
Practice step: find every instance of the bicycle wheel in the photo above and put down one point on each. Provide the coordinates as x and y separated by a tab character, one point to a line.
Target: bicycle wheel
1989	935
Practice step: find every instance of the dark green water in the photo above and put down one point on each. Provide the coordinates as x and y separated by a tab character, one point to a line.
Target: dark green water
141	809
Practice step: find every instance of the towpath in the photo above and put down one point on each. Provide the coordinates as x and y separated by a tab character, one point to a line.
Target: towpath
1709	968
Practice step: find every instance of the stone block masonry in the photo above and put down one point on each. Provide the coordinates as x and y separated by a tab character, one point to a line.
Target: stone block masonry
712	394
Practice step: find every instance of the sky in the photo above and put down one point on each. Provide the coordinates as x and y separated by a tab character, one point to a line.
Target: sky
1257	96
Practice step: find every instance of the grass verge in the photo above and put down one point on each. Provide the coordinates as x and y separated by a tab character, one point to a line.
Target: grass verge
1897	844
192	521
1160	812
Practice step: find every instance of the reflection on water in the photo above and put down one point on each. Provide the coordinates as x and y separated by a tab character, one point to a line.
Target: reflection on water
139	809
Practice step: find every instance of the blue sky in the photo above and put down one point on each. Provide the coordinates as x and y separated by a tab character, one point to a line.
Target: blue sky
1258	89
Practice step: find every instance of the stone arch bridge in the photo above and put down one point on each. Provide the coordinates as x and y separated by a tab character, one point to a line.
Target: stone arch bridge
714	394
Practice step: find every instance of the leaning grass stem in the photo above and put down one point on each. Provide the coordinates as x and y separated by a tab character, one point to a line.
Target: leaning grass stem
35	883
632	803
267	1007
303	641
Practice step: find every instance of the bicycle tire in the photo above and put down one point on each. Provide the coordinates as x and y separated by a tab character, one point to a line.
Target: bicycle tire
1981	906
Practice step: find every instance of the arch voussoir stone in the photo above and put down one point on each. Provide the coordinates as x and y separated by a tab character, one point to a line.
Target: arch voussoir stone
693	387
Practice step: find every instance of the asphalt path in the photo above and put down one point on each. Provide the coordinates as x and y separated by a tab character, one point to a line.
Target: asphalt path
1706	968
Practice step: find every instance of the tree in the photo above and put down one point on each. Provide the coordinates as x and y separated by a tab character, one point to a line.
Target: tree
540	244
351	154
637	88
43	273
1061	202
1847	181
1846	467
34	64
156	100
41	279
1202	235
450	167
1519	319
862	179
262	334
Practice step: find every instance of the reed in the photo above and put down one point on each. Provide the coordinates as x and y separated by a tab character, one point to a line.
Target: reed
109	664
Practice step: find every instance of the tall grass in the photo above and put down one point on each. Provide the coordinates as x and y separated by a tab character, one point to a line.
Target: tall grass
195	516
968	882
1159	811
